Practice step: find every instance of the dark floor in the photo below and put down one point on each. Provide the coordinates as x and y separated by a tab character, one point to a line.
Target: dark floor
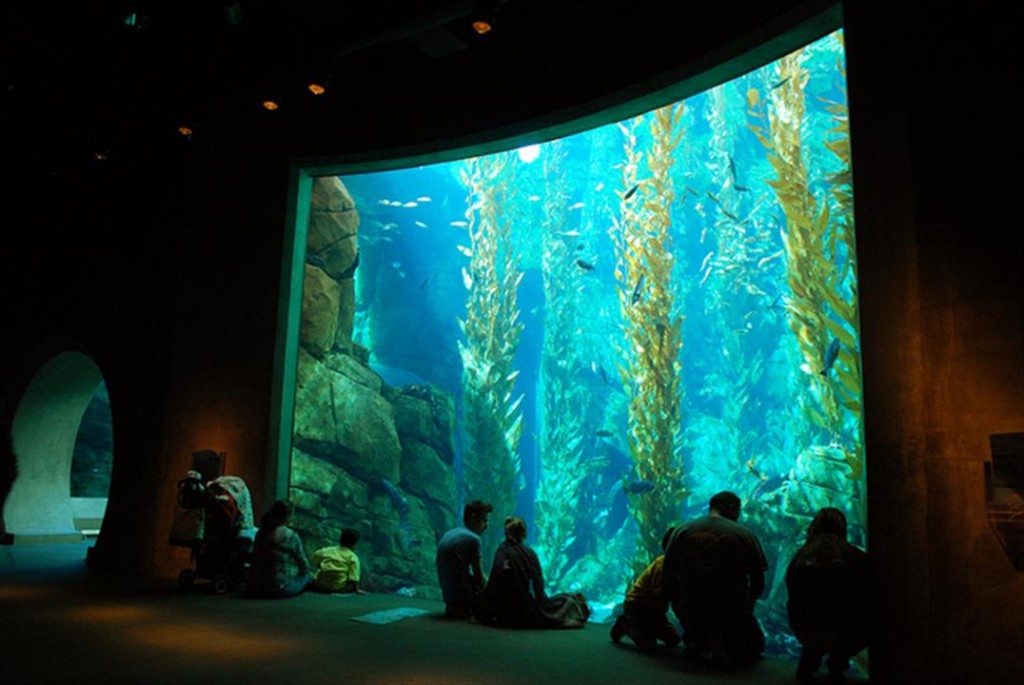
61	624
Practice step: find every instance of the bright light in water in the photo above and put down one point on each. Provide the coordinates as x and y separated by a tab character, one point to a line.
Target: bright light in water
528	153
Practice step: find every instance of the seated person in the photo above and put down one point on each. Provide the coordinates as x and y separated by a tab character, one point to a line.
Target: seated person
828	602
278	567
336	568
458	561
515	597
644	618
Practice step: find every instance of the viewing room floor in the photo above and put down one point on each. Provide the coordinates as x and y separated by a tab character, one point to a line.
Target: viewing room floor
62	624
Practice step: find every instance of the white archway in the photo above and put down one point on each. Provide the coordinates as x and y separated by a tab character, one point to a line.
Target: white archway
44	429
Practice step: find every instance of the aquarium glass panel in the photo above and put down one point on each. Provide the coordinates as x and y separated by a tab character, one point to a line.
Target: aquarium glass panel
92	459
595	333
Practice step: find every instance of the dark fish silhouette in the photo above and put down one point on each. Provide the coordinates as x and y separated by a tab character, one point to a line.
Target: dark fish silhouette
349	272
401	505
424	283
317	261
639	487
830	356
603	434
631	192
767	485
637	290
586	266
742	189
397	498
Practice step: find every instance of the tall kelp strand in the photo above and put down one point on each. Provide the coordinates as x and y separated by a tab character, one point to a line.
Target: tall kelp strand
822	304
821	311
652	330
563	397
841	294
805	236
492	330
732	284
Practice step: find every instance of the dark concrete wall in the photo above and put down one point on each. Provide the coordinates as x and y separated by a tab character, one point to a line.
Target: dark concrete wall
164	265
937	184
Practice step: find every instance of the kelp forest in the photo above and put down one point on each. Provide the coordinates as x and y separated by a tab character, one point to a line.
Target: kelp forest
597	333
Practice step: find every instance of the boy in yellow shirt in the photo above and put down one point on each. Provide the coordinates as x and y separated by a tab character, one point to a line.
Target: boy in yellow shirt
336	568
645	613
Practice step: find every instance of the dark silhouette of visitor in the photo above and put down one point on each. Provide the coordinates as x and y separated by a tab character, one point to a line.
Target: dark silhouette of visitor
278	567
459	572
644	618
8	471
515	597
827	582
713	574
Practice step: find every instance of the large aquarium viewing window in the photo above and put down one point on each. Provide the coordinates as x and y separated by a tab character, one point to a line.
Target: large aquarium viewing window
595	333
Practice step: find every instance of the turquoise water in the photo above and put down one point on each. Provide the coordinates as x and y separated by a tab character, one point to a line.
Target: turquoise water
626	321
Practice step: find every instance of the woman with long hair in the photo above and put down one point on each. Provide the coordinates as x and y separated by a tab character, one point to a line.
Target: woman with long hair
278	567
828	597
515	597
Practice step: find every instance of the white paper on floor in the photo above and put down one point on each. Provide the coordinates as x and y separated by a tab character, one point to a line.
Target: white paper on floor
389	615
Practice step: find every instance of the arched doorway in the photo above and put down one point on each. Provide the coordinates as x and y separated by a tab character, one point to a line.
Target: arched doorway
45	431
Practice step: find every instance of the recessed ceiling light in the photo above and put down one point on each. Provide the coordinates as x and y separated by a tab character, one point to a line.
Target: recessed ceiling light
316	88
484	16
270	105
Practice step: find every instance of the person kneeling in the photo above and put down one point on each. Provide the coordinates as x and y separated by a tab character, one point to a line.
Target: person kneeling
644	617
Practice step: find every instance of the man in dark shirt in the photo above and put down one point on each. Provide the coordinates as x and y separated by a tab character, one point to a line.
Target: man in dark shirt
458	561
713	574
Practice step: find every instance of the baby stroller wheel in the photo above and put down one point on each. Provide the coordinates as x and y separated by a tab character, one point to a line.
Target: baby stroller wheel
221	583
186	579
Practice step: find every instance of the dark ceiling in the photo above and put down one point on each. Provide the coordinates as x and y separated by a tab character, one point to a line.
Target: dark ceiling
114	77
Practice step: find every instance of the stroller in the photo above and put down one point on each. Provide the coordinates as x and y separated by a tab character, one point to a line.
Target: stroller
214	520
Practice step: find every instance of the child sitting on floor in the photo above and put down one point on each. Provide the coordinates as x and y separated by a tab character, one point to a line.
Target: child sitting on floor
336	568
